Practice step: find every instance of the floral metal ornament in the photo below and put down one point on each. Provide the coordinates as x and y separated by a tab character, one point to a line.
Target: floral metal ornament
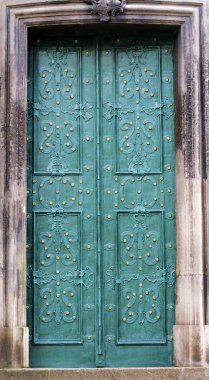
107	8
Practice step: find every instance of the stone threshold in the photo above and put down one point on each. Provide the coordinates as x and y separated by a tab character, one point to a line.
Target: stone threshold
172	373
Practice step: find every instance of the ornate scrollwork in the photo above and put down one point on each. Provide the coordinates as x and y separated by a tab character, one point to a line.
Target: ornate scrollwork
107	8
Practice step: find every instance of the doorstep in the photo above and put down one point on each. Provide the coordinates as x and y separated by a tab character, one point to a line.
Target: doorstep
173	373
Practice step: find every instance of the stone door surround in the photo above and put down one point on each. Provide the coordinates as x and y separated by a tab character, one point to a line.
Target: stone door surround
191	330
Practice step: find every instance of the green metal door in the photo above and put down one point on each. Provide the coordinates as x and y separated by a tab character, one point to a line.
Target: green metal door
101	226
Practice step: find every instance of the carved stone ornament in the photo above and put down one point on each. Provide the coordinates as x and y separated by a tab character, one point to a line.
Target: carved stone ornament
107	8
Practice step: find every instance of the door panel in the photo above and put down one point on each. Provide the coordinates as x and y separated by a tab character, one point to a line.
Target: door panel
138	202
63	235
101	226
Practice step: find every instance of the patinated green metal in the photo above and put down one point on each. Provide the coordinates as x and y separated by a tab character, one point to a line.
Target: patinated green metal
101	216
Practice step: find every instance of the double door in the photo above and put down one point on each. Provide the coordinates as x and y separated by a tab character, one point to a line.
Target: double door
101	226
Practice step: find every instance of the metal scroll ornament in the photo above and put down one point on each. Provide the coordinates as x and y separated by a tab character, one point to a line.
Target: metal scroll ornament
107	8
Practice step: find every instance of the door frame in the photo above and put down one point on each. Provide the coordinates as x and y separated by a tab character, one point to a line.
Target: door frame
191	331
